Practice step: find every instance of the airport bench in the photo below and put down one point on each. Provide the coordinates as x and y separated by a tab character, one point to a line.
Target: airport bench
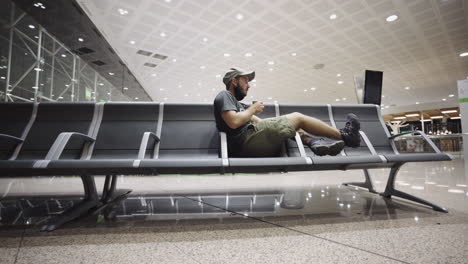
146	138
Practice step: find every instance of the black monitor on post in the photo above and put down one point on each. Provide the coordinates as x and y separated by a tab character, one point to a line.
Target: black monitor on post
373	87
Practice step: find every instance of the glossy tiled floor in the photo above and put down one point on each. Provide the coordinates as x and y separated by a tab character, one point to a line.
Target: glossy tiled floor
306	217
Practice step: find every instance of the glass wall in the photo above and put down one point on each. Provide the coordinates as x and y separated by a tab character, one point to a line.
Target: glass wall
34	66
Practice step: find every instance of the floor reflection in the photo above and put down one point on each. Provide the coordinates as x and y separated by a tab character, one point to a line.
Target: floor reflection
347	203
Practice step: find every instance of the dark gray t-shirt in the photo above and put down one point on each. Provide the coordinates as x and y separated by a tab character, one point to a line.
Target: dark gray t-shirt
225	101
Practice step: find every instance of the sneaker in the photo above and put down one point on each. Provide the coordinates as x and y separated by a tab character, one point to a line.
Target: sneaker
324	146
350	133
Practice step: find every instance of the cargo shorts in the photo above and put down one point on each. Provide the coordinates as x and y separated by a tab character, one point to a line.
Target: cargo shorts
265	138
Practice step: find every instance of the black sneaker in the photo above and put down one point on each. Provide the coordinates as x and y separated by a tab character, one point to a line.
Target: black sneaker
324	146
350	133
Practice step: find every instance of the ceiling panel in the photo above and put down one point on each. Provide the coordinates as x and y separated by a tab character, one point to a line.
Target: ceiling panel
419	50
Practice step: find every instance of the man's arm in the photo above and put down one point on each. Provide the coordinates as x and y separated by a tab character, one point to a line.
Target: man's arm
255	119
236	119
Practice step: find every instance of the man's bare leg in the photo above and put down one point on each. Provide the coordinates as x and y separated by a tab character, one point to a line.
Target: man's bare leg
313	126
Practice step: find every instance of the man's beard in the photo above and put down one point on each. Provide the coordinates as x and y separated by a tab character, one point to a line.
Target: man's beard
238	93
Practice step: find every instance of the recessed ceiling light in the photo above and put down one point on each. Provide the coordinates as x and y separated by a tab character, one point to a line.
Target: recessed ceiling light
132	42
337	99
167	1
340	82
305	90
333	16
185	94
64	55
239	16
407	88
412	115
3	78
392	18
269	98
122	11
400	117
174	60
111	73
248	54
227	55
100	84
294	54
437	117
161	89
32	27
344	98
218	76
154	74
387	106
136	98
313	88
271	69
162	34
338	75
108	93
451	95
205	39
417	102
443	99
180	86
165	98
202	67
383	96
271	63
464	54
80	39
125	88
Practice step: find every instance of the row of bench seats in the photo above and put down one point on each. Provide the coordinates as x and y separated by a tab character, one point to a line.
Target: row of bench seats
152	138
125	138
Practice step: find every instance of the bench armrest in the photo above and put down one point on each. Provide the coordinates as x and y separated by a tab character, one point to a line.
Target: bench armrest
11	138
417	132
62	141
224	149
224	146
145	142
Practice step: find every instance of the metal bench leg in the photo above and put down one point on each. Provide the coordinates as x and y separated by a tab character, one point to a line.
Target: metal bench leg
90	200
391	191
111	196
367	184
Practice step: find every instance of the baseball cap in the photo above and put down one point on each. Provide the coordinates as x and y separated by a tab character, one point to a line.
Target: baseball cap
234	72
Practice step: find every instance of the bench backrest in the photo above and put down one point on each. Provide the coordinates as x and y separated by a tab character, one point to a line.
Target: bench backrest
371	125
122	127
14	117
53	119
189	131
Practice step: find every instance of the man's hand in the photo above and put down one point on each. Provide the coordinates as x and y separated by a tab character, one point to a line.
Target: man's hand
257	107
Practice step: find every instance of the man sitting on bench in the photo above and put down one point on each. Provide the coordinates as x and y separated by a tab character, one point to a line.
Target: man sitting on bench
250	136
